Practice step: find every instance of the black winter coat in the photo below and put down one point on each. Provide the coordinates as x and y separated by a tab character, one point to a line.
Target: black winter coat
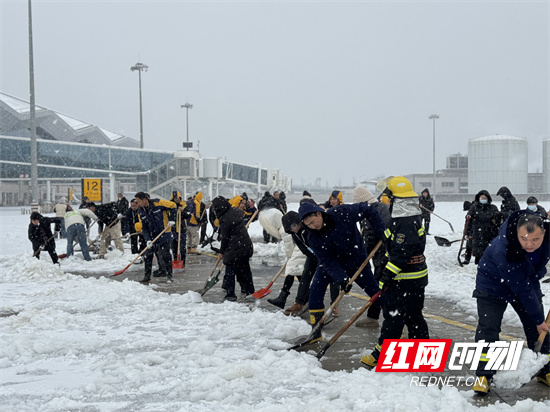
42	235
426	203
106	213
122	205
509	202
235	241
369	234
484	223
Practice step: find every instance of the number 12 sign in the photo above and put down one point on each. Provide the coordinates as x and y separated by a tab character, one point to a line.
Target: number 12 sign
91	188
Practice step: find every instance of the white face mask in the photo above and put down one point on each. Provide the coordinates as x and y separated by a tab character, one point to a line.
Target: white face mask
532	207
483	201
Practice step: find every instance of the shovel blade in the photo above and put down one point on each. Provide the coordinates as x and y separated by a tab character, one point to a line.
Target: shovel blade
177	264
441	241
209	284
262	293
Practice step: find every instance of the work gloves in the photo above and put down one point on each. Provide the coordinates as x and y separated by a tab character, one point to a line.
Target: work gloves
345	285
171	223
149	244
386	279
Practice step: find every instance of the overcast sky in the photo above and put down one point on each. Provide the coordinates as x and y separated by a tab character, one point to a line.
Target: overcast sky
340	91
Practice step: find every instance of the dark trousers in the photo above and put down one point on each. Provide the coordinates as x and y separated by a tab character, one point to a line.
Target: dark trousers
164	258
134	240
239	269
49	248
321	280
490	310
403	306
426	223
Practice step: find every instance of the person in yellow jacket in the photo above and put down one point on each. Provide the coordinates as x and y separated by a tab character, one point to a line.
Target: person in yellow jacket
198	215
180	235
155	216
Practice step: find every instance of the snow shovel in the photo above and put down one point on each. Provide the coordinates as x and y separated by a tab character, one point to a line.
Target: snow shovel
262	293
141	253
42	247
441	241
464	236
432	213
212	280
350	322
542	335
322	321
178	263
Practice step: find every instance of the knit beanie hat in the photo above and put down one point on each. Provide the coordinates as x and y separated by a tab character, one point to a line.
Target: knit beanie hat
362	194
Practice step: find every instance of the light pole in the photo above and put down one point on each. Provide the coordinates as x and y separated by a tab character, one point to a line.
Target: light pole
140	67
433	117
35	195
187	106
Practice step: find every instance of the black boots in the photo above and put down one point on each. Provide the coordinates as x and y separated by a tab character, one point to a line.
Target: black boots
280	300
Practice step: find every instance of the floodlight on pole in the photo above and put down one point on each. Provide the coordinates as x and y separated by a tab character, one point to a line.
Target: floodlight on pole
140	67
433	117
187	106
35	195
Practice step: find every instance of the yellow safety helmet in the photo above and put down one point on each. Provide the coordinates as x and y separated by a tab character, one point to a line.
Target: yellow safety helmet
401	187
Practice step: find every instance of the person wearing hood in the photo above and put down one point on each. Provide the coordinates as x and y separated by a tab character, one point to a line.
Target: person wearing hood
336	198
335	239
362	194
426	206
509	203
509	273
533	206
236	248
405	275
280	198
197	219
484	220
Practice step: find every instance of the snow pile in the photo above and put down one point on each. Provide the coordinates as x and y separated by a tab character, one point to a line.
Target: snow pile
74	343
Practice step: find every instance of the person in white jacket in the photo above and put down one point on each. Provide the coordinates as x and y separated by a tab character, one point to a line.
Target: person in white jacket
76	229
271	221
60	209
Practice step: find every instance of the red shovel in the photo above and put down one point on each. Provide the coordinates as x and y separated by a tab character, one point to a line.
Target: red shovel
178	263
265	291
142	252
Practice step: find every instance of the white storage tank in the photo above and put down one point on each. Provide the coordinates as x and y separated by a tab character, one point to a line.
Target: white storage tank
546	165
496	161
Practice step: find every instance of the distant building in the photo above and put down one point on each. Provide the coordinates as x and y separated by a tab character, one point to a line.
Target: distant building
70	150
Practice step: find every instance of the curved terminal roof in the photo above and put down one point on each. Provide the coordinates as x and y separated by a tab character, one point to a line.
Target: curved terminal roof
52	125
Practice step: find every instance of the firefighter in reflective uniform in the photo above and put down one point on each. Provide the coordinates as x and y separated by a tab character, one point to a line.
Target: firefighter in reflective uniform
405	276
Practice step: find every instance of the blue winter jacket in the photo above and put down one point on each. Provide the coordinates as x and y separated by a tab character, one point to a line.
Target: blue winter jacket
155	217
506	271
339	245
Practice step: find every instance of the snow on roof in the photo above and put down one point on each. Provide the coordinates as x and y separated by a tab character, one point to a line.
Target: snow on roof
20	106
23	107
74	123
498	137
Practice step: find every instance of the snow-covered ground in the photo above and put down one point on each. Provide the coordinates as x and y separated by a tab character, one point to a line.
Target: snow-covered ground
87	344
